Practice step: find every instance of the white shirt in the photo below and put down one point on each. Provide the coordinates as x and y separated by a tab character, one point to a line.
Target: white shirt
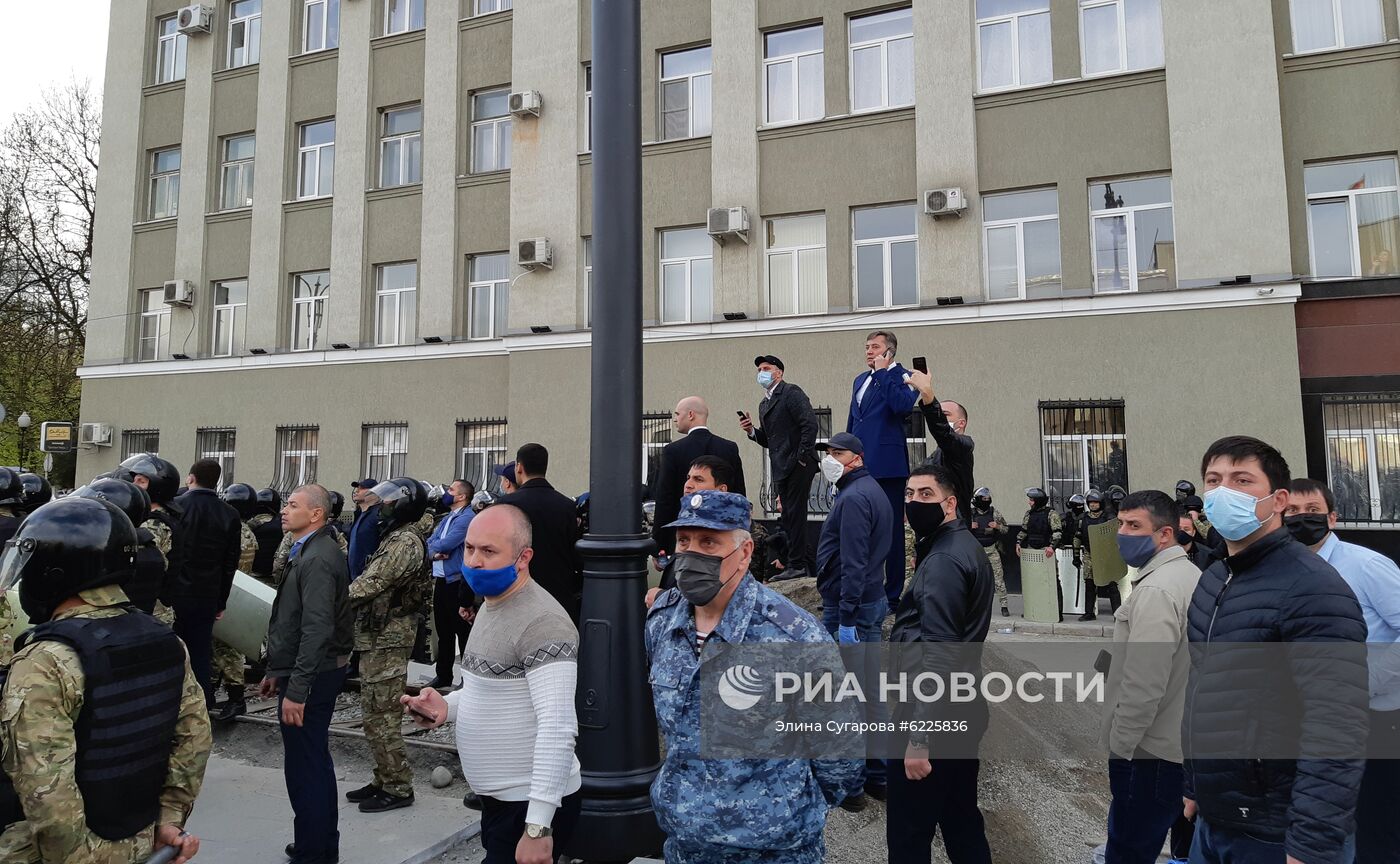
860	397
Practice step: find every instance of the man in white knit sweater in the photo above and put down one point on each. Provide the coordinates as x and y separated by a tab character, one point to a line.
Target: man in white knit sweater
515	717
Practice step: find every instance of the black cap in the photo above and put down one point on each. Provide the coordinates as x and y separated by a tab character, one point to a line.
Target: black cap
367	483
844	441
769	358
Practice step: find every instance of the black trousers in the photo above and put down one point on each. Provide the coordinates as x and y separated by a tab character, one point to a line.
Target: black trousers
503	824
794	490
194	624
309	772
1377	828
945	800
449	630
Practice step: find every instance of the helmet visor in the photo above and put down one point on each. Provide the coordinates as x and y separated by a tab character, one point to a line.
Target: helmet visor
389	491
13	559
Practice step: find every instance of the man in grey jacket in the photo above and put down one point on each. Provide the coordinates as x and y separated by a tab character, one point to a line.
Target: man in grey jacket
309	640
1146	687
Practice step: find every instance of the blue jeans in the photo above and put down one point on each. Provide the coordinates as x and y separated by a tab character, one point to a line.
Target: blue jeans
868	620
1146	801
1221	846
309	772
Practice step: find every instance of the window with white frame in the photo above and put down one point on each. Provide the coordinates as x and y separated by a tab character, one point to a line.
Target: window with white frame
171	48
1084	446
1134	245
1021	242
491	127
486	7
396	304
588	281
401	16
386	450
1322	25
1013	43
1353	218
685	93
298	451
221	446
320	25
882	60
1363	455
795	264
588	107
793	86
488	296
244	32
886	256
135	441
481	446
165	183
401	147
316	159
1120	35
687	276
230	316
153	339
310	296
236	175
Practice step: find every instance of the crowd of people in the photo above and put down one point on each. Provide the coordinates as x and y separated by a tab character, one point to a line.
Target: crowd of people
105	728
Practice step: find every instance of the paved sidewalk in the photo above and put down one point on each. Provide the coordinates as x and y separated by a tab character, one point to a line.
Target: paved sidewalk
243	816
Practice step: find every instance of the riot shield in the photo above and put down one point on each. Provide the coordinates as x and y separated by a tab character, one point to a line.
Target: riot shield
1109	566
1039	582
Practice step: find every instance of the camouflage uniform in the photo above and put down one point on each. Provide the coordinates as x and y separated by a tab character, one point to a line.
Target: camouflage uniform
993	552
1056	529
163	538
387	598
7	614
227	661
732	810
42	701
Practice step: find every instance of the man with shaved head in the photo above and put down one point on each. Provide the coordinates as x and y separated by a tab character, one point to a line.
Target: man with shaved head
691	419
514	714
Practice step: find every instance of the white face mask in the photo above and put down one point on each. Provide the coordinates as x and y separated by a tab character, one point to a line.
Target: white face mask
832	470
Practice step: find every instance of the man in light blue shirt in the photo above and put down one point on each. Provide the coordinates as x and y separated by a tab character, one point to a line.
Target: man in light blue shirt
445	551
1375	580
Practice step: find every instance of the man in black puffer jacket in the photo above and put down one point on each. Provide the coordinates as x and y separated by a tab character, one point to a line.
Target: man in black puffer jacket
1243	703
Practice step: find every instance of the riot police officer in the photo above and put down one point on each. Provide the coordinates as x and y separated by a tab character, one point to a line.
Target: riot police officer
11	497
1184	489
1040	527
266	525
1095	514
143	589
37	492
227	663
989	527
104	771
161	482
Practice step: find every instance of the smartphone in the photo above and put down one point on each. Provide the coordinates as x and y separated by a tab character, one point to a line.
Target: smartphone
921	364
741	414
413	709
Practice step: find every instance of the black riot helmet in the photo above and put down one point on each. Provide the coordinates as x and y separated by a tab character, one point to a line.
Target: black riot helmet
436	495
269	501
1077	502
242	498
1037	496
982	498
1184	489
337	506
129	498
1092	497
162	478
37	492
402	501
1116	494
11	489
65	547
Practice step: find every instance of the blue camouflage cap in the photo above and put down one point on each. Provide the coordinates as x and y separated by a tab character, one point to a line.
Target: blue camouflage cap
715	510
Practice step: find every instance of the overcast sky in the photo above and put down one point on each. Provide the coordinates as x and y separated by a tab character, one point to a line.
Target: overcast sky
43	44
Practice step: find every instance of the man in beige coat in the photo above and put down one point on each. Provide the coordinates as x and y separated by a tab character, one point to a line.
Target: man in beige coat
1146	687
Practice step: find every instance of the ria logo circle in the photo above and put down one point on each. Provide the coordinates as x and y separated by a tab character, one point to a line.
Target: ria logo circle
740	687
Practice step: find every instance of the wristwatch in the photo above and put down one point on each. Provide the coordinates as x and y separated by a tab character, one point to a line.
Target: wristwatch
535	832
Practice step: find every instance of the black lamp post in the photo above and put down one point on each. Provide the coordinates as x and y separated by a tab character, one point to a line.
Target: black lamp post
617	726
23	423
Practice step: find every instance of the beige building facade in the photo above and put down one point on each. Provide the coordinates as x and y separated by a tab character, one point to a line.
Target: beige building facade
1148	188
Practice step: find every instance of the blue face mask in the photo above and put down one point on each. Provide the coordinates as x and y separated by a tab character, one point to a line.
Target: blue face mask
1136	549
765	379
1232	512
447	500
490	583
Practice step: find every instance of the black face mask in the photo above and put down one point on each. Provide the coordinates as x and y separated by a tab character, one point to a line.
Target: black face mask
924	516
697	575
1308	528
1183	538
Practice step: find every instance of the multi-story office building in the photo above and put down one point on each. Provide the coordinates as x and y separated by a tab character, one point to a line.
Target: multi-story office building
1150	186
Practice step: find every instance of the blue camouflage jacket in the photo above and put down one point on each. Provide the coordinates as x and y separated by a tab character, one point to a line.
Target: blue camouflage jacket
729	809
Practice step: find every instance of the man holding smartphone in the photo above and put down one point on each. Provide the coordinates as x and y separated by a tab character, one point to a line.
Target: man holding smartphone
787	429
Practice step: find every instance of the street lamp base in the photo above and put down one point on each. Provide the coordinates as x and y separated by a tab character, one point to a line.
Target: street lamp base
608	823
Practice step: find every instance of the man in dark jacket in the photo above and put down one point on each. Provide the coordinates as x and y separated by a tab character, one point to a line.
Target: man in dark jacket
690	418
308	648
949	600
947	423
787	429
210	539
364	530
554	523
1270	589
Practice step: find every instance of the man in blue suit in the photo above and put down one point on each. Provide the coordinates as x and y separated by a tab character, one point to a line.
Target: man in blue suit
445	551
881	403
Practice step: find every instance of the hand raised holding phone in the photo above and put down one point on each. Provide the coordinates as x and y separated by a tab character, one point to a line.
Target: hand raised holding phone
428	709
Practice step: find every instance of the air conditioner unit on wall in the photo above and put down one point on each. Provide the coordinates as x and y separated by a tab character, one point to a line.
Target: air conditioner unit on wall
195	19
722	222
945	202
526	102
533	252
179	292
95	434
